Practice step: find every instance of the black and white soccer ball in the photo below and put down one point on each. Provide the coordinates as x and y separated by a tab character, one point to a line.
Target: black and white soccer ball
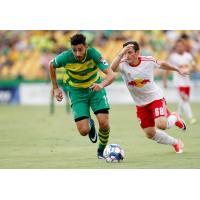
113	153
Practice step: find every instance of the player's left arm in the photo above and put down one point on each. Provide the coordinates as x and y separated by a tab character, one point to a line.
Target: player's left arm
167	66
193	65
110	77
103	65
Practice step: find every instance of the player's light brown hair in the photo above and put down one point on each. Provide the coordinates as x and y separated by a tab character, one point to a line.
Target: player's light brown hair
136	46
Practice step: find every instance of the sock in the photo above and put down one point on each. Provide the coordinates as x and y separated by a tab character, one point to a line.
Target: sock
162	137
187	109
171	120
103	138
180	107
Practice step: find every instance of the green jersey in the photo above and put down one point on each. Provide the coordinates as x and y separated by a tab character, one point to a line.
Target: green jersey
81	74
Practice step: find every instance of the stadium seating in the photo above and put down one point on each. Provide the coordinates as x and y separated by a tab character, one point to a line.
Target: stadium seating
21	52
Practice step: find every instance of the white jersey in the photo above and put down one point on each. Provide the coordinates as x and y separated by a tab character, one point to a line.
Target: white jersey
181	60
140	80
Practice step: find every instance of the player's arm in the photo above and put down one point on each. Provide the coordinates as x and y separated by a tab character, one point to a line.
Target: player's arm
56	90
104	67
110	77
193	65
167	66
115	63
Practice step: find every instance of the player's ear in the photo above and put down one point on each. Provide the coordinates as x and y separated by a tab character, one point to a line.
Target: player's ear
138	52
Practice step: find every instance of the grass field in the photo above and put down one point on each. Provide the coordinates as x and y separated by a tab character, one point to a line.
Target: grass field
31	138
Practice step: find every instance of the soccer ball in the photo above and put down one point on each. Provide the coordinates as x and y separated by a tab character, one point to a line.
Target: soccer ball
113	153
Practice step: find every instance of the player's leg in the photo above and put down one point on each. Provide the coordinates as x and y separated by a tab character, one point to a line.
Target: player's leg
147	123
84	123
180	107
104	130
81	111
163	118
65	89
162	137
52	105
146	118
184	93
67	102
100	107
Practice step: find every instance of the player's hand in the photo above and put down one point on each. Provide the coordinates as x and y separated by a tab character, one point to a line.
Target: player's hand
183	72
96	87
126	49
58	94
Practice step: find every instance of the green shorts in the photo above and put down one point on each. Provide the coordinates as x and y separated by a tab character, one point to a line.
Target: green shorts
83	99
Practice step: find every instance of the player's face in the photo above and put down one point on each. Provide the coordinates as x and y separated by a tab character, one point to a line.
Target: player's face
79	51
131	55
180	47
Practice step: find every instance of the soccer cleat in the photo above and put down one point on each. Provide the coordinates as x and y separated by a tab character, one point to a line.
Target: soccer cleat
179	123
193	121
178	147
100	154
92	133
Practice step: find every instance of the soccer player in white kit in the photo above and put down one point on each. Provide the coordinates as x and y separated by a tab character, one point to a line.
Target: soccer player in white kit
153	115
185	61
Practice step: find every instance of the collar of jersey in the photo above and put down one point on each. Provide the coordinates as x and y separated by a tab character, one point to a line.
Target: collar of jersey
132	65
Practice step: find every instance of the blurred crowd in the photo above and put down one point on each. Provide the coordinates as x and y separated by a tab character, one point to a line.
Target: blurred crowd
25	55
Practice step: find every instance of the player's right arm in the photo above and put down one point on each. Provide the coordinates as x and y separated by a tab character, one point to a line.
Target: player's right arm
115	63
56	90
58	61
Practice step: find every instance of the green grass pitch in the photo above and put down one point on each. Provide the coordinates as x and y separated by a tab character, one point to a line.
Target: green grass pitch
32	138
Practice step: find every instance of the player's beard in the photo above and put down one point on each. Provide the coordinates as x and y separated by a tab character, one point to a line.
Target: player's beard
79	58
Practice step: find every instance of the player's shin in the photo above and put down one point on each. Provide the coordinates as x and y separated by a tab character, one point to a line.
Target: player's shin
162	137
103	138
187	110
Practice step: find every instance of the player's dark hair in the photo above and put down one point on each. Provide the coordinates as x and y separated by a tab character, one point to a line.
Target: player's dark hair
78	39
136	46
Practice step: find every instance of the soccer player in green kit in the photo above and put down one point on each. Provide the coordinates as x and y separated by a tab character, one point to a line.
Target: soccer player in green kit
86	89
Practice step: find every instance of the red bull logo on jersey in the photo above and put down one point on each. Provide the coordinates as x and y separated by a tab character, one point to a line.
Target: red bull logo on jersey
140	83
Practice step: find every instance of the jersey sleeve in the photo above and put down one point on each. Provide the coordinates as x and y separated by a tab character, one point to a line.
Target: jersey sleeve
60	60
156	62
100	62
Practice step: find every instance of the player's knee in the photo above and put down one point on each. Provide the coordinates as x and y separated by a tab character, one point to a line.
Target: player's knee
150	135
161	124
184	97
103	124
83	131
